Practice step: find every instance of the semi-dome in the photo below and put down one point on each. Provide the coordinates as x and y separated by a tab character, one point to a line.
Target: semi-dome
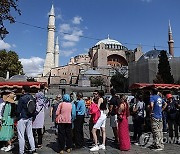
109	41
153	54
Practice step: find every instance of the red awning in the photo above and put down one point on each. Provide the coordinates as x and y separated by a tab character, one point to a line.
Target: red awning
158	86
20	84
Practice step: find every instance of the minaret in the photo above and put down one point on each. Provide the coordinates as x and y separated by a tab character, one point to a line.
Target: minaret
49	61
56	53
170	41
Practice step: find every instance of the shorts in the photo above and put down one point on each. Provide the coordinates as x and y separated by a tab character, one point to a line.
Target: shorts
101	122
113	121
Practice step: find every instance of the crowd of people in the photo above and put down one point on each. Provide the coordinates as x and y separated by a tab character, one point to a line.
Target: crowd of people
151	112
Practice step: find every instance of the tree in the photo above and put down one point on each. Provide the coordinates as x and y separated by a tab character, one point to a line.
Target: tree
96	81
6	7
9	61
164	70
119	82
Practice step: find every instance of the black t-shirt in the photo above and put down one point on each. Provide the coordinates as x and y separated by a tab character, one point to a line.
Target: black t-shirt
114	102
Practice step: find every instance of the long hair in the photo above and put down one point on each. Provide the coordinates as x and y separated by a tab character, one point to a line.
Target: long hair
123	99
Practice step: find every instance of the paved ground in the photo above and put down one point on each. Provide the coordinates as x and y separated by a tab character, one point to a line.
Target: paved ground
50	145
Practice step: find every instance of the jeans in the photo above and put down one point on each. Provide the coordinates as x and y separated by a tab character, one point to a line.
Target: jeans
164	117
22	126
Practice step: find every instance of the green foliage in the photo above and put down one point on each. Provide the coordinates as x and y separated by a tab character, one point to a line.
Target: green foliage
119	82
6	7
9	61
96	81
164	70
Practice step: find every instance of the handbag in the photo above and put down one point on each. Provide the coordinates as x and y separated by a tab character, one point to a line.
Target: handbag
95	112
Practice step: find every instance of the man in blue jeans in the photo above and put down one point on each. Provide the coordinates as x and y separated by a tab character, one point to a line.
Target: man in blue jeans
157	105
24	121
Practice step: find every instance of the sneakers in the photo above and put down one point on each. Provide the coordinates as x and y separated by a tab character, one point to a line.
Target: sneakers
68	150
136	143
95	148
61	152
102	146
3	148
9	147
158	149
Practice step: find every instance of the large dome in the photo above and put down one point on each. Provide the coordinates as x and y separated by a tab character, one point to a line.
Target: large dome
108	41
152	54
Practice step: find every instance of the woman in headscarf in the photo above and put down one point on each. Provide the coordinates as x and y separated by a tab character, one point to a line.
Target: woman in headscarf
7	115
63	119
38	123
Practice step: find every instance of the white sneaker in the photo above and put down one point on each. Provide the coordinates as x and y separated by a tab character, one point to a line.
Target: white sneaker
159	149
136	143
102	146
95	148
3	148
9	147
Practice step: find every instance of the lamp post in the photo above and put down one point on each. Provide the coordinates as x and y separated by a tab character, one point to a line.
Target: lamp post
3	32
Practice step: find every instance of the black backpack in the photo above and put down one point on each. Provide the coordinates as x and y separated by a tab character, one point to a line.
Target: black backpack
31	106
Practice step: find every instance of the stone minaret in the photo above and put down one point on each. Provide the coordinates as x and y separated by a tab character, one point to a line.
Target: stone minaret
49	61
56	53
170	41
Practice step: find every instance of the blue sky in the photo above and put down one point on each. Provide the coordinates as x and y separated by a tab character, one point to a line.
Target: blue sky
131	22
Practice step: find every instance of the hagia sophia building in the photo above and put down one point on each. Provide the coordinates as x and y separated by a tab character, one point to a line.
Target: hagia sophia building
103	59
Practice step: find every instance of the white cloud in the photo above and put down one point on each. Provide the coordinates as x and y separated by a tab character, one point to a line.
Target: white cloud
68	44
67	53
59	16
64	28
77	20
4	45
14	45
33	66
74	36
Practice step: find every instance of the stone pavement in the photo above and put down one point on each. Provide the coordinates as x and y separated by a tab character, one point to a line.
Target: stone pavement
50	145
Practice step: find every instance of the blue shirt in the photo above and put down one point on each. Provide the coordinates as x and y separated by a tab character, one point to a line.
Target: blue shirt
157	109
81	108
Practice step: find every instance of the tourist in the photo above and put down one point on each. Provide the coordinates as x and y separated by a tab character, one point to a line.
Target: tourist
94	115
157	105
78	123
63	119
138	118
25	121
101	122
123	126
38	123
172	112
88	103
112	111
53	109
73	118
7	115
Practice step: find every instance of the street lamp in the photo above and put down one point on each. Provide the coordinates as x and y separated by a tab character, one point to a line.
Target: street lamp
3	32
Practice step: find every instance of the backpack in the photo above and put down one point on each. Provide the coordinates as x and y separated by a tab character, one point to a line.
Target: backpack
31	107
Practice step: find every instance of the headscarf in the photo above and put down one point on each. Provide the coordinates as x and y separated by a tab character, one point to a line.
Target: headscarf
66	98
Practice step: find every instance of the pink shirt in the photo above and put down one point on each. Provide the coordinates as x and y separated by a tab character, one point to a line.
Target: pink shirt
63	113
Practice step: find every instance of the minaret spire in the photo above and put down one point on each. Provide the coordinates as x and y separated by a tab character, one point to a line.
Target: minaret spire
170	40
49	61
56	53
